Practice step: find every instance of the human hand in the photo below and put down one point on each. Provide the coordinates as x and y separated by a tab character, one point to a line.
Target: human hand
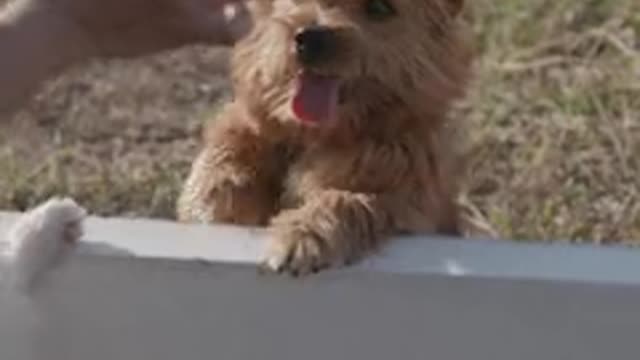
129	28
41	38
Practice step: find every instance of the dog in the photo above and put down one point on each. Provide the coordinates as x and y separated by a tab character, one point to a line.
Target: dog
337	136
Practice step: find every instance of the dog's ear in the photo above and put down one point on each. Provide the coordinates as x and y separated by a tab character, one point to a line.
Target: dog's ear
454	7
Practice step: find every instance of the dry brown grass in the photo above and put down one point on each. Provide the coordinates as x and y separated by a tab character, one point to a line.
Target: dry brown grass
555	119
554	115
118	137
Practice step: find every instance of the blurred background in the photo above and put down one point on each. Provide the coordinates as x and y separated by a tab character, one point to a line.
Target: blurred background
553	120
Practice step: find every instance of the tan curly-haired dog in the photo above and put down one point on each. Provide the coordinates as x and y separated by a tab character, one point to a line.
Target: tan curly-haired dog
336	136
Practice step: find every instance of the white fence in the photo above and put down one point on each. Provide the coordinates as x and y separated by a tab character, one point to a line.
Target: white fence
152	290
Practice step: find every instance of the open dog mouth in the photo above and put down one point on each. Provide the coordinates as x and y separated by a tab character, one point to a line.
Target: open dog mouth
316	98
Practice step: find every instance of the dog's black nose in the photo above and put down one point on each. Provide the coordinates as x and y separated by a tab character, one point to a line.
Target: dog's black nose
315	45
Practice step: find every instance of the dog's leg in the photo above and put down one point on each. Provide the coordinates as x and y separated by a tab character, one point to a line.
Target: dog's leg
233	178
332	228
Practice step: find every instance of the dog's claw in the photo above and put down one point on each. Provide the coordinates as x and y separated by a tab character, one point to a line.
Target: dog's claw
296	257
273	264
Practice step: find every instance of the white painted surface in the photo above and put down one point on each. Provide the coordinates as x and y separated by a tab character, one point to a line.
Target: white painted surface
138	291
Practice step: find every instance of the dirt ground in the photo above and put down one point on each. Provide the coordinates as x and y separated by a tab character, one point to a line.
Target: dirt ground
553	120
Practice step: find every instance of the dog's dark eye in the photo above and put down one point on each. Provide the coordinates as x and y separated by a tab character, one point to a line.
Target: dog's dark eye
379	10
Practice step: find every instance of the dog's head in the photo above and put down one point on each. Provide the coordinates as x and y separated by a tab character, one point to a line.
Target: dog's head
326	62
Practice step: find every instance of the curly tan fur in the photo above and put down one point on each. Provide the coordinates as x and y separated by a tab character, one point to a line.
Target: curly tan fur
331	194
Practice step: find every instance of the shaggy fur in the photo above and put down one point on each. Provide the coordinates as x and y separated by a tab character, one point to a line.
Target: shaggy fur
332	192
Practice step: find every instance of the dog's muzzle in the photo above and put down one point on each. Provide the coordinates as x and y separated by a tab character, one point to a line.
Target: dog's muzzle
315	45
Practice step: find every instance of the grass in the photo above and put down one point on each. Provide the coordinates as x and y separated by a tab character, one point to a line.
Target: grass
555	127
553	119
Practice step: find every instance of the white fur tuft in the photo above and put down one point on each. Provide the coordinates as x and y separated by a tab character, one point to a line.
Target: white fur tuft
41	238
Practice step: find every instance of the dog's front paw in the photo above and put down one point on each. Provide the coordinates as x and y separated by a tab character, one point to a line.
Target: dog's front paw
334	228
41	237
242	203
299	253
299	247
230	194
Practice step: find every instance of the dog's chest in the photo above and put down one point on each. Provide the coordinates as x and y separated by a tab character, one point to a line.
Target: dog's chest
303	172
292	172
310	171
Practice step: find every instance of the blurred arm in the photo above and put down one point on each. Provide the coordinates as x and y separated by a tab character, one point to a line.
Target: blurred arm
40	38
35	44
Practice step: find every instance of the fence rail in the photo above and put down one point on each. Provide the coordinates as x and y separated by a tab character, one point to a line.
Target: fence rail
140	289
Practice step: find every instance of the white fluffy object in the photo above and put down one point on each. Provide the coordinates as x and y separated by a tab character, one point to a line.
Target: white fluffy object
41	238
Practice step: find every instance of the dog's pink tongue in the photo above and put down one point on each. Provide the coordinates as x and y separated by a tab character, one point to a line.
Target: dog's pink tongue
316	99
